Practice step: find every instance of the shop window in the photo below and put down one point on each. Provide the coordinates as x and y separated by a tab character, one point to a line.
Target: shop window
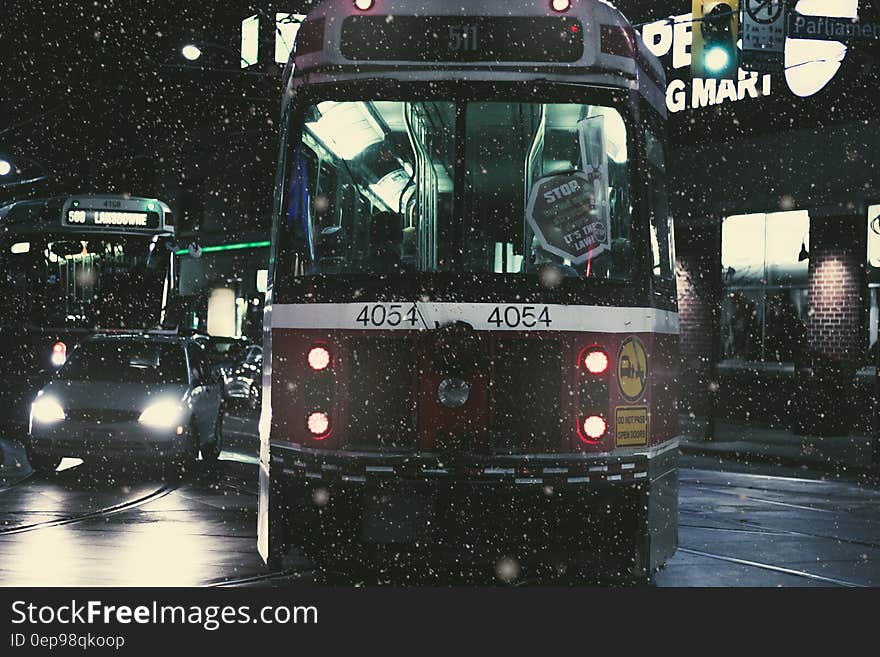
764	274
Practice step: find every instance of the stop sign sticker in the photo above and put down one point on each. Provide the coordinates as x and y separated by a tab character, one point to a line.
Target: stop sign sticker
568	215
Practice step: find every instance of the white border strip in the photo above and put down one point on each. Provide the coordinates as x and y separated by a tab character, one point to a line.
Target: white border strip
482	316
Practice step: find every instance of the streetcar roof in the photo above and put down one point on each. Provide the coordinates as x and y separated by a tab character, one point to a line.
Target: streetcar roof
330	47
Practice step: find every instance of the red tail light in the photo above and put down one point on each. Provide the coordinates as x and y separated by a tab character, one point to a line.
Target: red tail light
319	425
59	354
593	428
596	361
319	358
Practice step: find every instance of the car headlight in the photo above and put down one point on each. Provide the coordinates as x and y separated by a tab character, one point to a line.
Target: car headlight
46	410
163	414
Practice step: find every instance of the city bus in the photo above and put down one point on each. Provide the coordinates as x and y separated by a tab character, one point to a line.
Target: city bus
71	267
471	333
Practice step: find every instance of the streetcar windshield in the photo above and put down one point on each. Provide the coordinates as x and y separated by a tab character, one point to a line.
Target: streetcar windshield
96	281
390	187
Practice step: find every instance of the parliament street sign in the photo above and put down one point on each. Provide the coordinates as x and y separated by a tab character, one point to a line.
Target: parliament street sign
831	29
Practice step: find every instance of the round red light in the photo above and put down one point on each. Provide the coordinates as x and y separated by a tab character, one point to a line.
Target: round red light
319	359
59	354
595	427
363	5
560	5
319	424
596	362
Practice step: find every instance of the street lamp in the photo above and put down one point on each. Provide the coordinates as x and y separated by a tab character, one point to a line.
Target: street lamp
192	51
17	165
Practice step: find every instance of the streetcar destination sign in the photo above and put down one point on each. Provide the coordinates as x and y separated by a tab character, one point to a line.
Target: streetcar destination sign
463	39
111	218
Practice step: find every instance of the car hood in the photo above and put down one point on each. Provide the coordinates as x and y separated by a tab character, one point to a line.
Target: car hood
112	396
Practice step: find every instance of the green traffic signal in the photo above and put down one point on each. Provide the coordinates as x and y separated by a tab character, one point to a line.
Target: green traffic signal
716	30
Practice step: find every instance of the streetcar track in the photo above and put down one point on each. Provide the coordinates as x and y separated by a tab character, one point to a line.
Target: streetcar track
771	531
91	515
256	579
772	568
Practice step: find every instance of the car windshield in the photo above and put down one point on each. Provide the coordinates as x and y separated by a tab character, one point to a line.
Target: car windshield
95	282
384	187
126	362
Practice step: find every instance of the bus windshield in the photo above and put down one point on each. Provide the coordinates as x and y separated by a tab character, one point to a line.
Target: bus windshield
82	281
483	187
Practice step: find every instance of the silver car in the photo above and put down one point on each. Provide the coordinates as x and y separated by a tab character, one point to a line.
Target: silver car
128	398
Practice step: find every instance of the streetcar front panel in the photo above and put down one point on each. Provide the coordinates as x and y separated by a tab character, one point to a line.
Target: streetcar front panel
472	327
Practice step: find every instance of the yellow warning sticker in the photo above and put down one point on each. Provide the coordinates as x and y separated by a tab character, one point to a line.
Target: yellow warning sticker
632	369
631	425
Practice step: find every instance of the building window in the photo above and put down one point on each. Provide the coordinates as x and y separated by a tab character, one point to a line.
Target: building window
764	274
250	41
873	276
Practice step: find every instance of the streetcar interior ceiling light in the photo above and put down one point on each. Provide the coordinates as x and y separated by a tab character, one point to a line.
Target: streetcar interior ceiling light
596	361
560	5
363	5
595	427
319	424
20	248
47	410
59	354
614	130
319	359
5	168
347	129
191	52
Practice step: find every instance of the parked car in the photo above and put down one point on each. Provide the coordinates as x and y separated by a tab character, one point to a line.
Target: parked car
245	383
223	354
128	398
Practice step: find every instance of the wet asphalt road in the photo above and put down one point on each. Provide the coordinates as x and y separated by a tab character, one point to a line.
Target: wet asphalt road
82	526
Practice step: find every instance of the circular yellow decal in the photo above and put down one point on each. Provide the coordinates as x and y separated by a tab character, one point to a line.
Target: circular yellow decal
632	369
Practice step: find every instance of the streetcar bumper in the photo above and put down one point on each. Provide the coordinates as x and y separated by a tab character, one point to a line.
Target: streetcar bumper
485	508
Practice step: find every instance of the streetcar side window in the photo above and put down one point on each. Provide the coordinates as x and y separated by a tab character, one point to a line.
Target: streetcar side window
662	235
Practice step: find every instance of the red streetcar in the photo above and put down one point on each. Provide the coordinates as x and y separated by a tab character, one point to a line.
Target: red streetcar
472	316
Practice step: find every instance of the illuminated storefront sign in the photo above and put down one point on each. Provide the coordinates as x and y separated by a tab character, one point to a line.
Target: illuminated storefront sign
809	64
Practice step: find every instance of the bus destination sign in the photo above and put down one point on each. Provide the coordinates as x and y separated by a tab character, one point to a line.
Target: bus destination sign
463	39
114	218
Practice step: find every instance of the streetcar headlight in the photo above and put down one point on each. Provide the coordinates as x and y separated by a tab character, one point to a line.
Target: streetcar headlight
560	5
594	428
163	414
319	425
363	5
596	361
319	358
46	410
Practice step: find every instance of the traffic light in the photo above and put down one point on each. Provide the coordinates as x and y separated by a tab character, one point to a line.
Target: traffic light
716	31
